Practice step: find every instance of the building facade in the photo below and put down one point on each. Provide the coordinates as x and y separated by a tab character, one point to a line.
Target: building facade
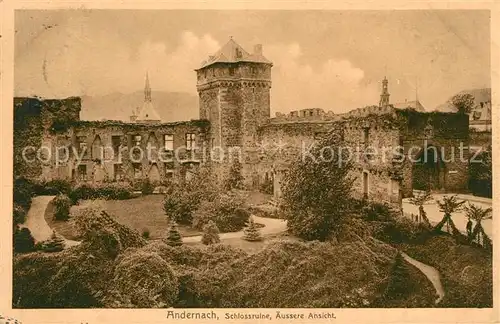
234	88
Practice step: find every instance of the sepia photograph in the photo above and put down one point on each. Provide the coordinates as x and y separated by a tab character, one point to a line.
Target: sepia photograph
234	159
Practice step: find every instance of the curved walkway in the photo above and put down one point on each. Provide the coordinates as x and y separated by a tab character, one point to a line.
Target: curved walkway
430	272
271	226
35	221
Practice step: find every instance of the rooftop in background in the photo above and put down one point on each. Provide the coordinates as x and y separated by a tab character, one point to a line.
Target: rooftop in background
414	104
232	52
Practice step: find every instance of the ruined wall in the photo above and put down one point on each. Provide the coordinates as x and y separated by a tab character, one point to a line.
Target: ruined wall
110	153
369	140
372	140
449	134
35	123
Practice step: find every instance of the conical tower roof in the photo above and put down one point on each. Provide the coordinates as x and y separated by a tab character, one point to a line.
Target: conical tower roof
232	52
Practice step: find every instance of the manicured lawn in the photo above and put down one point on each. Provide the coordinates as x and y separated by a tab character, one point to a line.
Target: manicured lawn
145	212
141	213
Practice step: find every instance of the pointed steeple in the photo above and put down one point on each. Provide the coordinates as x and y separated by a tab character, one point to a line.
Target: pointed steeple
147	89
384	96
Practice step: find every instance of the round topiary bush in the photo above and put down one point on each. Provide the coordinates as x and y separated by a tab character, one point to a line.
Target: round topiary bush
144	280
229	213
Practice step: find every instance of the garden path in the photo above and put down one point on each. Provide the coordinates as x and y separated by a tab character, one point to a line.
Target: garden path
35	220
430	272
271	226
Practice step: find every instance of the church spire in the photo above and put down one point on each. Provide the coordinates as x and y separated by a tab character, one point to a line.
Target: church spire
384	96
147	89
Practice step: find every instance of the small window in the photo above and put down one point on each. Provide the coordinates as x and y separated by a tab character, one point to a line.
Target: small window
82	146
137	140
190	141
137	170
253	70
366	135
116	143
169	142
118	172
82	172
169	168
231	71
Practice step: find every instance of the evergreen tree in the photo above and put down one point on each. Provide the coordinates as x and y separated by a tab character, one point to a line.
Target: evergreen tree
174	236
251	232
210	234
399	283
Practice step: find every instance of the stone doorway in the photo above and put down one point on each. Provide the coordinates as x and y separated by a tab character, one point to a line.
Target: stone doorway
429	170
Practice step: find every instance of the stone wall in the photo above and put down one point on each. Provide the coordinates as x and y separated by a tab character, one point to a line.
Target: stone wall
235	98
449	134
35	122
110	153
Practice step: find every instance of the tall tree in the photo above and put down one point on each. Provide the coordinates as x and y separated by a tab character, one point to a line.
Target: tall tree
463	102
317	190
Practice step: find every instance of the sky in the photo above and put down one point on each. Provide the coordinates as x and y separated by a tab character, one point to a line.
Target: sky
333	60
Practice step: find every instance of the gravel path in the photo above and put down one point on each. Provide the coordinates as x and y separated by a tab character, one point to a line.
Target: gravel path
35	220
431	273
271	226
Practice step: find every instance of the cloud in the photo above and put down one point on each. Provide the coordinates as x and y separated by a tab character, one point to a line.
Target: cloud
77	60
334	84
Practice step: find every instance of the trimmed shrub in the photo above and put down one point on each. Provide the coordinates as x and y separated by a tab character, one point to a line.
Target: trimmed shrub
54	244
23	241
19	214
372	211
62	204
174	237
210	234
147	187
104	191
229	213
23	192
183	199
251	232
145	234
403	230
54	187
143	280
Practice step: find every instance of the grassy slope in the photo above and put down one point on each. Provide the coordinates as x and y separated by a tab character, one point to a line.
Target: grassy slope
466	272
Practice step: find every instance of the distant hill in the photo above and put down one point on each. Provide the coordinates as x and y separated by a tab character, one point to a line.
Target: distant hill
172	106
480	95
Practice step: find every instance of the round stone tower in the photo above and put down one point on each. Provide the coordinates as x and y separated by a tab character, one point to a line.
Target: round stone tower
234	95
